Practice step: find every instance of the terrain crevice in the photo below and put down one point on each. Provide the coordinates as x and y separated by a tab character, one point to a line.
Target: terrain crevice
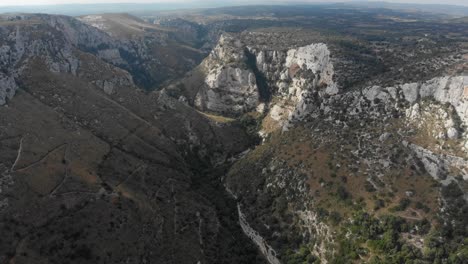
264	90
239	135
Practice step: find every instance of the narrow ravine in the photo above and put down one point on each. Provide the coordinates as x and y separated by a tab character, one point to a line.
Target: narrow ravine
261	243
234	246
263	88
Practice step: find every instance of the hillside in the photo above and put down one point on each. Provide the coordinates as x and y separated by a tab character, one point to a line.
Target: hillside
260	134
364	166
160	54
93	169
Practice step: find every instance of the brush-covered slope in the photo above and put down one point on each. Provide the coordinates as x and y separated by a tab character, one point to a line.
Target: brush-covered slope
360	118
161	53
95	170
374	172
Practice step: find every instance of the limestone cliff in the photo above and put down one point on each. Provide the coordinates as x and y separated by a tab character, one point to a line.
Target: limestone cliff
358	138
62	44
228	85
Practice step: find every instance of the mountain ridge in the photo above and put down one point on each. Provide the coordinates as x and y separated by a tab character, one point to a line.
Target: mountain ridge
297	137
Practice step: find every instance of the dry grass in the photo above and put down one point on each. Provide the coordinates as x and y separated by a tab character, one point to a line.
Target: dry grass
45	174
123	25
327	167
217	118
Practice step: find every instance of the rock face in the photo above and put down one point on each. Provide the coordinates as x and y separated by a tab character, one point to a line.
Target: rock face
266	249
316	58
152	54
294	77
8	88
420	127
229	85
236	78
439	99
286	71
281	187
449	90
311	72
435	110
59	42
144	54
228	90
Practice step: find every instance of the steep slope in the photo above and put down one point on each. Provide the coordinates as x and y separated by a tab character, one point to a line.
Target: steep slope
363	157
94	169
223	83
336	157
160	55
360	118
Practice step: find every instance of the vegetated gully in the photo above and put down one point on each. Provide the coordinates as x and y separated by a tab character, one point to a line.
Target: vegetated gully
208	182
233	246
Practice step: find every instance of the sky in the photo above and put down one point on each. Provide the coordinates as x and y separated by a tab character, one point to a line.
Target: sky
53	2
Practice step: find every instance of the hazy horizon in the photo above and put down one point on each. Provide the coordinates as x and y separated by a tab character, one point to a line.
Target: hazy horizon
6	3
86	7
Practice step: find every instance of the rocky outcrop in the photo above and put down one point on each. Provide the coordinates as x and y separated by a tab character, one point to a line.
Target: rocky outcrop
294	77
8	88
439	121
435	114
428	117
440	167
150	52
298	70
236	79
316	58
266	249
229	85
450	90
228	90
61	43
446	93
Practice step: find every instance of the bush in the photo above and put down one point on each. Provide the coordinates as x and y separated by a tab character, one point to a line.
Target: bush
342	193
402	205
302	256
335	217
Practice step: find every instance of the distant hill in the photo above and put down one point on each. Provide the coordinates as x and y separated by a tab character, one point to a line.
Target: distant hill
121	24
86	9
451	10
461	20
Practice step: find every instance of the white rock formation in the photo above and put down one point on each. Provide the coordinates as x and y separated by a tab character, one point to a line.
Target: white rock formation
261	243
96	21
438	166
410	91
451	90
230	87
301	72
59	52
314	57
228	90
318	229
444	91
438	107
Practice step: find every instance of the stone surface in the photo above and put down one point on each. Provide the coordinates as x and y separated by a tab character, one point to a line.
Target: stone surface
8	88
